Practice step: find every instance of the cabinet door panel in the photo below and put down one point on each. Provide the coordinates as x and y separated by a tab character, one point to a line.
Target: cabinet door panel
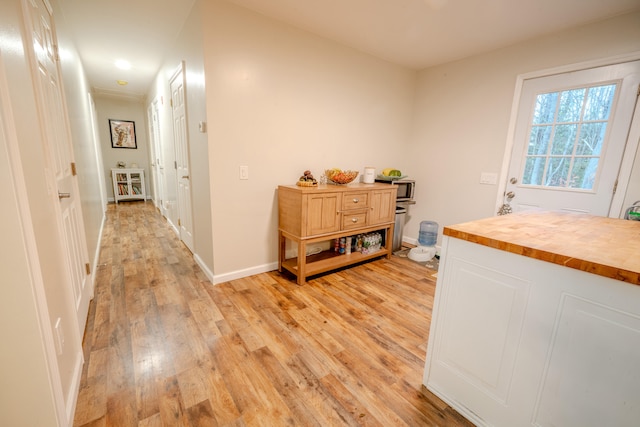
323	213
589	381
383	207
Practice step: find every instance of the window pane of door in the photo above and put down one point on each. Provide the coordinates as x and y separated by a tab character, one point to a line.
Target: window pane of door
566	137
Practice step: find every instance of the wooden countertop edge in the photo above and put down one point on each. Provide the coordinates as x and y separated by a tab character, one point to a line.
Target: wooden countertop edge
542	255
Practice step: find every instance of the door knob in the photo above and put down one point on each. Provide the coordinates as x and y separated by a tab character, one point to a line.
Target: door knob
63	195
510	195
185	177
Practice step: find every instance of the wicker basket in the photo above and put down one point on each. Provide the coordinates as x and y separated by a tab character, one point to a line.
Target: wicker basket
306	184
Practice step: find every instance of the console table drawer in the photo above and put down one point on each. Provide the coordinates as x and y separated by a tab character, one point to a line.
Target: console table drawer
354	220
355	200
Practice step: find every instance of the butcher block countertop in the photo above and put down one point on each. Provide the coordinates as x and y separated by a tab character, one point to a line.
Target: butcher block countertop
605	246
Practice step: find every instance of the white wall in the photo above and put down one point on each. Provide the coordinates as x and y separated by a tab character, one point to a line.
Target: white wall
280	101
463	110
122	109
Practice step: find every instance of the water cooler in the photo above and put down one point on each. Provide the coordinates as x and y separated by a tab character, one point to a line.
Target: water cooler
427	238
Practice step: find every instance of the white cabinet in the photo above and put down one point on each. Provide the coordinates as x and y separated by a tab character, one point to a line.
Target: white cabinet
516	341
128	184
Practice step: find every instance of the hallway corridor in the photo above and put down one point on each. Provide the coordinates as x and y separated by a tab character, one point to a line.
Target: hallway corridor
164	347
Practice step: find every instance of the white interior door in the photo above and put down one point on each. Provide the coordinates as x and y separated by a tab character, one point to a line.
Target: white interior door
179	109
157	168
570	136
59	150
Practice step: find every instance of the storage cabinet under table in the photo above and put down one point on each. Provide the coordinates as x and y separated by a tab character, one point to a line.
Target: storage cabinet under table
308	215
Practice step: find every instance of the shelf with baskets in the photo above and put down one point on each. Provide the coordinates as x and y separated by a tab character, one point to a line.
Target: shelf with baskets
128	184
311	215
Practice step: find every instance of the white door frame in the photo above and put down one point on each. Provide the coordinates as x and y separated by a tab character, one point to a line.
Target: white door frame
630	148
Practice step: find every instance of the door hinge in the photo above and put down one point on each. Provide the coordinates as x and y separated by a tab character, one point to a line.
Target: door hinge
88	268
56	55
171	102
73	169
179	223
615	187
175	164
638	91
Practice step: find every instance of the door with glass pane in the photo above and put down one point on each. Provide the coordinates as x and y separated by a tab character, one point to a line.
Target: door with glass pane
570	136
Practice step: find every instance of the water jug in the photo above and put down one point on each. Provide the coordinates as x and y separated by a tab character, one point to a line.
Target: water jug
428	235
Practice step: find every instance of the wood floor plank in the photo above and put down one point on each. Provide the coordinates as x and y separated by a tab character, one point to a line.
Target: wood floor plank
165	347
359	413
194	386
201	415
171	408
288	389
220	398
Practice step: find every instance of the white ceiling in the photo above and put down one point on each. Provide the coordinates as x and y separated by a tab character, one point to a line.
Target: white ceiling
413	33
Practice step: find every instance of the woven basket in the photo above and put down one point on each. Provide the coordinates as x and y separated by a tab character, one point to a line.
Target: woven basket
306	184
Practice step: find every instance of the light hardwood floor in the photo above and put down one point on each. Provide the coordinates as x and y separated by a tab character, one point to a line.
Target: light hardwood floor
164	347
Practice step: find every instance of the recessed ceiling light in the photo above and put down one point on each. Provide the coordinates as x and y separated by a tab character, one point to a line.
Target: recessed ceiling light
122	82
123	65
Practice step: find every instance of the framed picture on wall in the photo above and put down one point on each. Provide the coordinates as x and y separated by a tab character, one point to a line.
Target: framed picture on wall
123	133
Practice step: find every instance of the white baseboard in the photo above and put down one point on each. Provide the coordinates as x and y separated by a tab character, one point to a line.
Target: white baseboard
74	389
239	274
96	256
410	240
173	227
203	267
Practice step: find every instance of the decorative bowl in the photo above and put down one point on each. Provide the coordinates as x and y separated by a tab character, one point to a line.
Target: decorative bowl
337	176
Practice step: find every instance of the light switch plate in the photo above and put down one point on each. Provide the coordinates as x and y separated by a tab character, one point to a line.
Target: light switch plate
244	172
488	178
